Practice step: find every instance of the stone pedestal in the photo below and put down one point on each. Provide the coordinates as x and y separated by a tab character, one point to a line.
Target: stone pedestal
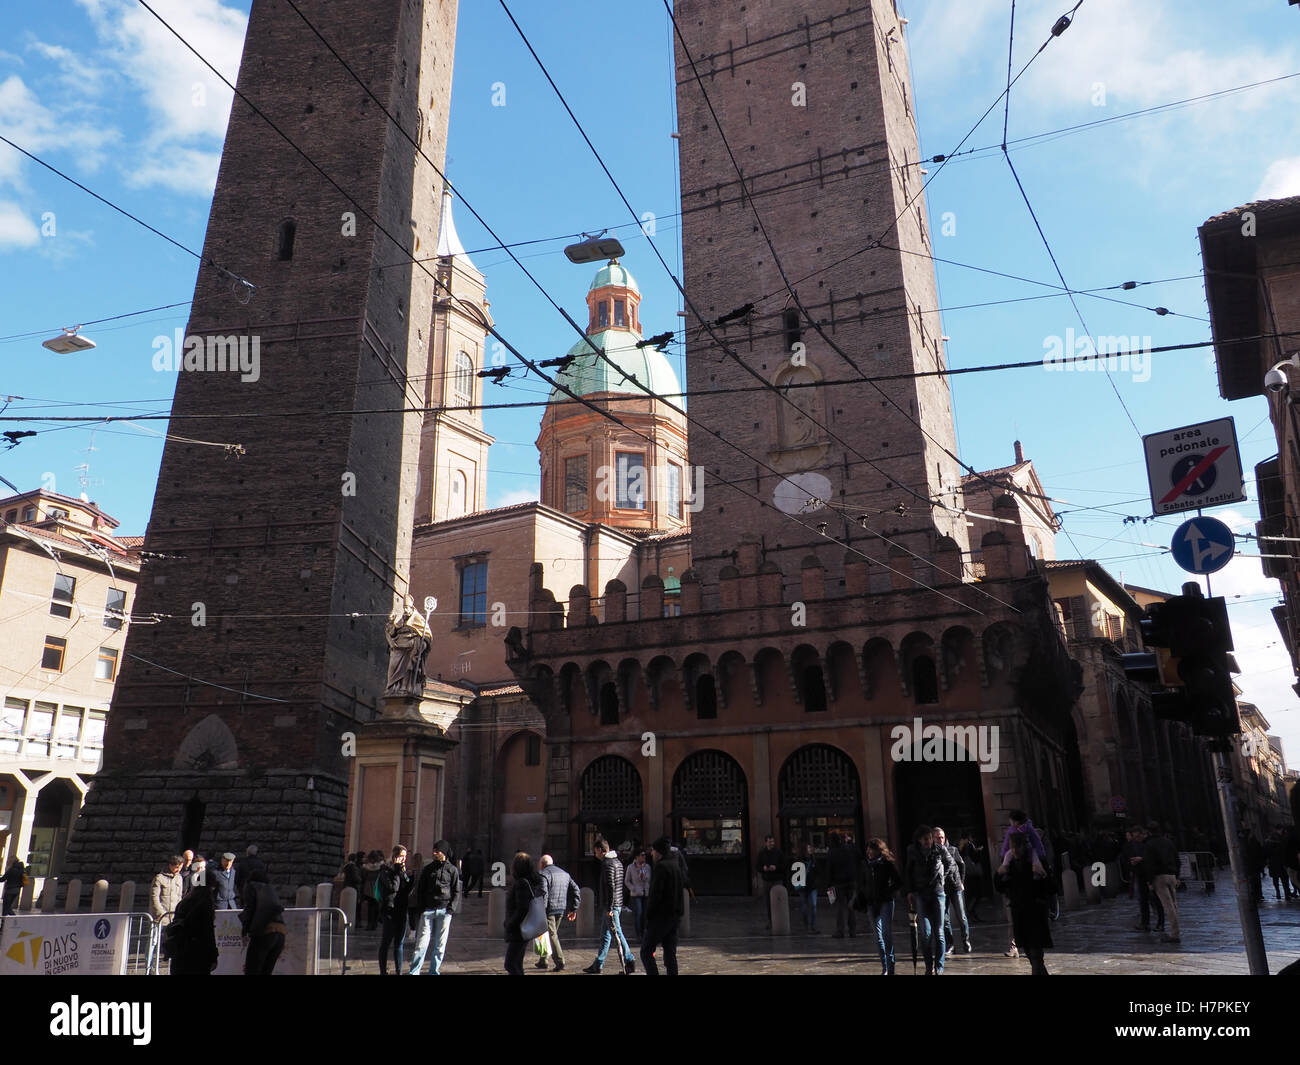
397	778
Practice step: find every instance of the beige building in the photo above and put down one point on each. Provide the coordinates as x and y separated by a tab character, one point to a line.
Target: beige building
67	584
1033	507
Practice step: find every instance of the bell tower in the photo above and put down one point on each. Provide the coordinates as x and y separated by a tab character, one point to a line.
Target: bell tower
271	573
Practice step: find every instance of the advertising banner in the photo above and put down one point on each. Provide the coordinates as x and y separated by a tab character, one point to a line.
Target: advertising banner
93	944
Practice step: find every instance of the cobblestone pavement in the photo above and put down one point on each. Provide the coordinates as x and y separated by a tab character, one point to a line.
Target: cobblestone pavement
728	938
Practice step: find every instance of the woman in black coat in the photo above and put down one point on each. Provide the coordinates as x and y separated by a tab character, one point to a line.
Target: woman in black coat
1027	890
527	884
394	900
13	886
193	935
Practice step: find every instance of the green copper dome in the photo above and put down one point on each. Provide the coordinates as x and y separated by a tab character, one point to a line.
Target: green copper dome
612	273
589	374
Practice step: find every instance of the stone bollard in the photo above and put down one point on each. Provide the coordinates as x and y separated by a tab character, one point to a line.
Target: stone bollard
1092	889
348	904
304	896
1113	883
126	899
1070	891
26	899
50	895
684	925
588	920
99	897
324	895
72	904
496	910
779	903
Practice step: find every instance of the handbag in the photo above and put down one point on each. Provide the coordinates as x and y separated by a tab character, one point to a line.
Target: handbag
534	923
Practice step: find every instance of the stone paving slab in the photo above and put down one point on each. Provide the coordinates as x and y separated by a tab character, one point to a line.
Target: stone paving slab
728	939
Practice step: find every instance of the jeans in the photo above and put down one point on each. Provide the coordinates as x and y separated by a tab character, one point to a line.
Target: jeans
843	896
957	905
608	928
810	908
438	924
659	931
515	957
929	910
394	933
637	902
882	920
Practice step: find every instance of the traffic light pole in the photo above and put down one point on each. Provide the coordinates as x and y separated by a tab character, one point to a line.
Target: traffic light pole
1247	908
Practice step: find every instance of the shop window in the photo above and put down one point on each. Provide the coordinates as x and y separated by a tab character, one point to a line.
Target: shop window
925	680
114	608
52	657
608	704
61	598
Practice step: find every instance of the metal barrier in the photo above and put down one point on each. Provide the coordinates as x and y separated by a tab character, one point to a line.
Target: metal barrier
333	925
1197	865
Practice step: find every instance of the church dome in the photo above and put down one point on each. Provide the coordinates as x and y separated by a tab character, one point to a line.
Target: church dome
613	273
589	374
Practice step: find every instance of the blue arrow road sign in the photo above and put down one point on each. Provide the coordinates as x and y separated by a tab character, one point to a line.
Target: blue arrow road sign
1202	545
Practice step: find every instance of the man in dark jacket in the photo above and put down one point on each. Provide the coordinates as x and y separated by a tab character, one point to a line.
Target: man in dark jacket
842	864
224	896
562	901
954	887
609	900
438	898
394	898
246	866
1160	862
773	867
262	922
926	872
1133	856
664	909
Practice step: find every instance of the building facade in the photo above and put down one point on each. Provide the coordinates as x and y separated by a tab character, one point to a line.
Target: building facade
67	589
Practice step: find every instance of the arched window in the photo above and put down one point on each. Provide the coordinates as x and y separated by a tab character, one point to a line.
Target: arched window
463	380
925	681
459	494
284	240
706	697
813	689
608	704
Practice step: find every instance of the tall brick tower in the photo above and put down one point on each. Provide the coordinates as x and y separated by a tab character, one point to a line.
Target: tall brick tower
278	568
815	102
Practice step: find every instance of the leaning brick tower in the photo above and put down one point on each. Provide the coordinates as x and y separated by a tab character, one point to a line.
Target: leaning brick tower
273	572
815	101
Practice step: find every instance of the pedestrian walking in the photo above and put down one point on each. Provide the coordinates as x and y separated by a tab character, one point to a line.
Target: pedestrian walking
191	937
1256	862
1291	851
394	899
1024	881
772	867
812	870
975	876
262	923
636	884
954	887
842	875
880	883
1277	865
14	879
1160	861
609	898
1134	853
1018	824
562	901
224	894
527	886
926	871
664	909
438	898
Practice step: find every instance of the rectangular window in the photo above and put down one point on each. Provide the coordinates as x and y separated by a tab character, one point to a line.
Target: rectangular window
52	658
602	315
29	513
674	490
94	736
11	725
12	515
629	470
114	608
40	726
532	749
106	665
620	313
575	484
61	597
473	595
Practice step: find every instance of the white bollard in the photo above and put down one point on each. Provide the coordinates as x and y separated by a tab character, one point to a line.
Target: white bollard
779	904
588	919
127	898
49	895
26	899
99	897
1070	899
496	911
348	904
684	925
72	904
303	897
324	894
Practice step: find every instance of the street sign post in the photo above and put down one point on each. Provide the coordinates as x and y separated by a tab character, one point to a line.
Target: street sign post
1193	467
1202	545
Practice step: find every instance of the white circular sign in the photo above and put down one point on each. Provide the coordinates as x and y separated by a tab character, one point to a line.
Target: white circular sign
801	493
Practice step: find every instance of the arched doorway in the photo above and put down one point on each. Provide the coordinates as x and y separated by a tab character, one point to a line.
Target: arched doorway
946	793
609	805
818	793
711	822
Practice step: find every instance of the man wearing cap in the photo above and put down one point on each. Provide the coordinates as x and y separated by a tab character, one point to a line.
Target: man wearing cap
223	884
438	898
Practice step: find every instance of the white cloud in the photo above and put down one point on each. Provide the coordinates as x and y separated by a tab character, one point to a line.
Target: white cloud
1282	178
25	120
186	170
16	229
515	495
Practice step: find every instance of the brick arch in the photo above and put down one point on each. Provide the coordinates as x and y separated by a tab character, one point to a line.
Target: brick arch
808	678
957	655
879	667
917	665
731	673
660	672
770	671
843	671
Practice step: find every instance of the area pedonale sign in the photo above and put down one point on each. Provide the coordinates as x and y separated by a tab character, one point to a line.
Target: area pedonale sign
1193	467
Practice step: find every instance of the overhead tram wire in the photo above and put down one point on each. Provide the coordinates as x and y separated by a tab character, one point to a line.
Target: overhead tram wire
816	325
694	310
531	365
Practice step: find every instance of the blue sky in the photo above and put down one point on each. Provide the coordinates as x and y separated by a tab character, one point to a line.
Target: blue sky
101	91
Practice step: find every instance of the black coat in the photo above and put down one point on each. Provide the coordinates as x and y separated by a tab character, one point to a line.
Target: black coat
1027	894
223	888
881	881
439	887
394	892
664	900
261	906
194	937
521	897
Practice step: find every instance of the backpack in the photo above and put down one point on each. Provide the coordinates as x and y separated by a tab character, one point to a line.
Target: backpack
534	922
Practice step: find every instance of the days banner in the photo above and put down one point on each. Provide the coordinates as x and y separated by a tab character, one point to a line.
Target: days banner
92	944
